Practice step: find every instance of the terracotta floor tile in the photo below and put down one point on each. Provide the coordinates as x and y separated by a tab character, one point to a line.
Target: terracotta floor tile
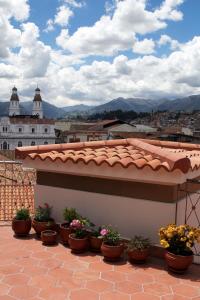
140	277
4	288
43	281
158	289
59	293
113	276
175	297
144	296
186	290
5	297
34	270
114	296
16	279
128	287
60	274
42	254
51	263
99	285
101	266
24	292
84	294
87	275
76	265
167	278
10	269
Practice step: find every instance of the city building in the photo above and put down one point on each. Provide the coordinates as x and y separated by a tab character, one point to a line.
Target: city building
17	130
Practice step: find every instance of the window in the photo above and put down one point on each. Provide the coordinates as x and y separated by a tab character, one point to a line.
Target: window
5	129
46	130
33	143
19	144
45	143
5	146
33	130
20	129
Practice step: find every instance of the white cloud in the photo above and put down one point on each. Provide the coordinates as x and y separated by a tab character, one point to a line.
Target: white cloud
146	46
74	3
168	11
10	36
117	31
49	25
166	39
63	15
34	56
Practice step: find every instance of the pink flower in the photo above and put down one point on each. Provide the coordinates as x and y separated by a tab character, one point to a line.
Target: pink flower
47	205
76	224
104	232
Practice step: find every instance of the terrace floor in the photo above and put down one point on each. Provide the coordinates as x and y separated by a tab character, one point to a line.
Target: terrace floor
29	270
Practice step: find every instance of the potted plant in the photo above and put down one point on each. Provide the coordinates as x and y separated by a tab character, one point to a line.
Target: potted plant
21	223
78	239
138	249
178	242
49	237
42	220
96	239
69	214
112	247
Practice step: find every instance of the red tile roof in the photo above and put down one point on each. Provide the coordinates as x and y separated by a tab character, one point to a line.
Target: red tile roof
140	153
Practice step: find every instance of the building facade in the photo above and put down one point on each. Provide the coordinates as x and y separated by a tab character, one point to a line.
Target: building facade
18	130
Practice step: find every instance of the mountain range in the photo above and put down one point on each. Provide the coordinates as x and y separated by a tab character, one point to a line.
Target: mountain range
187	104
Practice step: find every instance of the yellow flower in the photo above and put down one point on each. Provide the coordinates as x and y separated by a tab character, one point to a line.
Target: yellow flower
164	243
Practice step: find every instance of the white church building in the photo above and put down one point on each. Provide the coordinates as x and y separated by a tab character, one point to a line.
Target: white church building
17	130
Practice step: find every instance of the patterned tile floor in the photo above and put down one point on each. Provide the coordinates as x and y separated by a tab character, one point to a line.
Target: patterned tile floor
29	270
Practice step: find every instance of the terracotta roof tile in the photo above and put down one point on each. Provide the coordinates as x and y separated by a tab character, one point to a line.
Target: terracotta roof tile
127	152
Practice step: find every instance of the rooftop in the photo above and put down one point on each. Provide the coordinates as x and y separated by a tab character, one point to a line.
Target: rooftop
29	270
139	153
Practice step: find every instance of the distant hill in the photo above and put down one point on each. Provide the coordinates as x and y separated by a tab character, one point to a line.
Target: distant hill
187	104
130	104
135	104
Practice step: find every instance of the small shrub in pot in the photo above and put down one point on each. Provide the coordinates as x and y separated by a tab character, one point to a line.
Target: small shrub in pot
178	242
78	239
69	215
96	239
112	247
21	223
138	249
42	219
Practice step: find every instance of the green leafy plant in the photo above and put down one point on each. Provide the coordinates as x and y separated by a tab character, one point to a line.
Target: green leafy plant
110	235
43	213
70	214
96	232
138	243
22	214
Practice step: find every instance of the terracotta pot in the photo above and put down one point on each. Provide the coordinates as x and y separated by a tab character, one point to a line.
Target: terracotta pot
138	256
178	263
65	231
112	253
42	226
78	245
95	243
21	227
49	237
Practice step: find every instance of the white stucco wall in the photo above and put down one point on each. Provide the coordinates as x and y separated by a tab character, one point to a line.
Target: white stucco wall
131	216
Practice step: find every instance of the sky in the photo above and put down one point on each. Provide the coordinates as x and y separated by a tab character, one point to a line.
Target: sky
93	51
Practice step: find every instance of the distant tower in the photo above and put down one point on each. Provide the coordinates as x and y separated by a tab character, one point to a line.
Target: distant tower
37	104
14	108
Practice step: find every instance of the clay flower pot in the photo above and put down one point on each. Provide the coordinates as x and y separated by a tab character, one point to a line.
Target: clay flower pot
178	263
95	243
138	256
78	245
21	227
49	237
42	226
65	231
112	253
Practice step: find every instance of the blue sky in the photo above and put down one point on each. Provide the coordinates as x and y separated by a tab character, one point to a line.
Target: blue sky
91	51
